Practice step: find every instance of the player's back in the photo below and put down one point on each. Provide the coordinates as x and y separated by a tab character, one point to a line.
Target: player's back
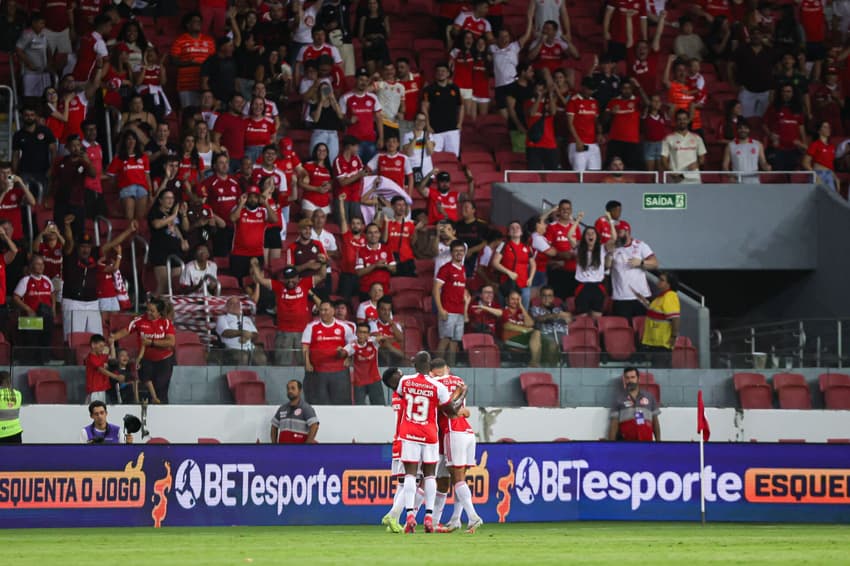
397	412
455	424
421	399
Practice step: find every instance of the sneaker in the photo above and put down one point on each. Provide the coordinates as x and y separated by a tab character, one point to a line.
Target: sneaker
393	526
428	523
448	528
410	525
474	525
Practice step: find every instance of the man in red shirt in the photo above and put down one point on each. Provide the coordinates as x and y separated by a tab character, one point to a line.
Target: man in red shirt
452	299
59	20
14	197
480	320
642	61
614	25
306	255
541	151
348	173
222	192
353	239
34	297
564	235
363	359
229	131
813	21
582	113
393	165
363	114
388	333
250	218
784	125
294	299
548	52
400	236
92	49
375	263
624	134
442	201
412	83
327	381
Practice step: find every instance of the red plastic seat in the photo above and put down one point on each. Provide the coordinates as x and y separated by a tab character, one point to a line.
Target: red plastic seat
836	391
619	343
484	357
744	379
522	176
506	440
120	320
582	322
794	397
79	339
250	393
229	284
191	355
653	389
34	376
684	354
838	440
423	284
51	391
182	337
410	299
584	356
80	353
638	324
209	441
157	440
238	376
753	391
477	339
580	337
542	395
562	439
412	340
530	378
607	322
645	377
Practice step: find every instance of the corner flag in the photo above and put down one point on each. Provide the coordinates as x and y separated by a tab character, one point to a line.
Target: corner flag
702	422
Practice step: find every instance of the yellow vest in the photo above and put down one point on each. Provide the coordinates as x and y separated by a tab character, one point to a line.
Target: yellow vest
10	412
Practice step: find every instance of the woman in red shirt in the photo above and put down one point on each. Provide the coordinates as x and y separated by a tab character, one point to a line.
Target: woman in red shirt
273	238
191	164
481	78
131	168
119	79
259	130
820	157
655	126
513	259
156	340
316	182
461	61
56	119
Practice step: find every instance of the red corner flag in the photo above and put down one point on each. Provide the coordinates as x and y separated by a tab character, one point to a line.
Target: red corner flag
702	422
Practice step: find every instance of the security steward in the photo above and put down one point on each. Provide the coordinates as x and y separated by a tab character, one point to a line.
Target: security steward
10	411
634	415
294	422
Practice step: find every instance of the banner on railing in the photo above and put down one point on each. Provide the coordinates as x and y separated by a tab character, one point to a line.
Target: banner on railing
186	485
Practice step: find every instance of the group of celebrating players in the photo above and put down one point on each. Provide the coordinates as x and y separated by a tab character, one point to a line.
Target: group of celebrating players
434	443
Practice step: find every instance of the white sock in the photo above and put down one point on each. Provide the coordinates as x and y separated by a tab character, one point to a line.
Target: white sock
430	484
398	502
409	493
463	495
420	498
456	511
439	503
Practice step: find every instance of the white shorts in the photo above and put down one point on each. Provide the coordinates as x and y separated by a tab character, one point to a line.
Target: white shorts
397	468
589	159
419	453
480	100
109	304
447	141
466	93
460	449
96	396
59	40
307	206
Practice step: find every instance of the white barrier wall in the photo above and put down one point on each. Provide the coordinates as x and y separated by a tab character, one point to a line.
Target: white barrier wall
58	424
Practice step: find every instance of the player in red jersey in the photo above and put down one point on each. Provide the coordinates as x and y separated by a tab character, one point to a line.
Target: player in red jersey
390	379
458	441
422	399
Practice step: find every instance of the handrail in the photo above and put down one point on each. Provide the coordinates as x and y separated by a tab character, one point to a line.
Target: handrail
10	112
738	176
138	238
581	174
108	124
734	176
15	94
97	221
28	209
168	269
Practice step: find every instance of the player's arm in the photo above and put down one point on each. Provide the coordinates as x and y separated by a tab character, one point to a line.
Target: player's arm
455	402
311	435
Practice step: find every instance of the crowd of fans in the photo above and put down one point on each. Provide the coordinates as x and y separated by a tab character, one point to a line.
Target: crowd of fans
294	148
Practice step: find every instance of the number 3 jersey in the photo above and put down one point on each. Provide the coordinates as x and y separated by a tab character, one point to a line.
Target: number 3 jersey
421	397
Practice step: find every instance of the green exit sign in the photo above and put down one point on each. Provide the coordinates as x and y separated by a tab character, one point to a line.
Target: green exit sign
665	201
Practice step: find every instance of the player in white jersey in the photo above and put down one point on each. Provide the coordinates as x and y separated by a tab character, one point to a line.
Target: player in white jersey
458	444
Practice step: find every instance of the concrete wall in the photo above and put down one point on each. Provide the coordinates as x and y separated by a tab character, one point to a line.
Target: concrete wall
498	387
724	227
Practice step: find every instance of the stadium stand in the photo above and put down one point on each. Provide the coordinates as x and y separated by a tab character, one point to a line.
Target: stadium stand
753	391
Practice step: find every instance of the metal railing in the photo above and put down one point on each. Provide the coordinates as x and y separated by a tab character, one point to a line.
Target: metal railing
11	110
182	265
133	258
706	177
98	220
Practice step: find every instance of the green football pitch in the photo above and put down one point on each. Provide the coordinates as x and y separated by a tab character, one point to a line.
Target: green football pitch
544	543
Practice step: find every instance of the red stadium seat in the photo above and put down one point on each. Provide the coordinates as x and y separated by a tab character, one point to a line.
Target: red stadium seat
586	356
653	389
229	285
562	439
523	177
409	299
753	391
209	441
51	391
530	378
182	337
5	351
580	337
607	322
506	440
792	440
34	376
484	357
412	340
120	320
792	391
638	323
191	355
645	377
745	379
250	393
619	343
157	440
477	339
684	354
582	322
238	376
267	338
836	391
79	339
423	284
838	440
543	395
561	177
80	354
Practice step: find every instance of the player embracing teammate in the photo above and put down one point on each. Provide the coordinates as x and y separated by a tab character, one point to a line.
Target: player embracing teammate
420	400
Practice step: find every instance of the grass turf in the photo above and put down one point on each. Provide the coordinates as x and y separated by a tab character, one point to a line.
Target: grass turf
524	543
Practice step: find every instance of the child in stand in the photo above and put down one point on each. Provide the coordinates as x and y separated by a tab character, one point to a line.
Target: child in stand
362	356
126	388
97	375
151	80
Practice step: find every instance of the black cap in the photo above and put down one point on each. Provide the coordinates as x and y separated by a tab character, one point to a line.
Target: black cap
362	72
85	239
325	59
290	273
444	176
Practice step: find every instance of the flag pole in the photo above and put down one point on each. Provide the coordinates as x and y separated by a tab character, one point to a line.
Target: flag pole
702	478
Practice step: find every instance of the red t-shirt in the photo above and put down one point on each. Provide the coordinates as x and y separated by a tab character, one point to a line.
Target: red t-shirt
396	167
558	236
364	363
548	139
367	256
52	258
130	171
480	78
625	124
449	202
421	399
249	233
716	8
618	18
222	195
513	316
188	171
105	284
155	330
412	87
258	131
399	233
77	109
344	168
232	129
584	112
96	381
479	318
364	107
318	174
462	68
813	20
646	72
294	307
324	341
786	124
35	291
11	203
551	55
55	14
655	128
517	258
453	278
822	153
381	329
351	246
603	228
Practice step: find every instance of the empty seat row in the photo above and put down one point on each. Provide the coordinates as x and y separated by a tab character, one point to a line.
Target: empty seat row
792	391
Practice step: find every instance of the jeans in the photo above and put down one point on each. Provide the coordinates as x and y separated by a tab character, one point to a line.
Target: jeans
374	391
254	152
367	151
328	137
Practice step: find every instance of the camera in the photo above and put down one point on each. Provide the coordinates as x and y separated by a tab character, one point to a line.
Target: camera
326	89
